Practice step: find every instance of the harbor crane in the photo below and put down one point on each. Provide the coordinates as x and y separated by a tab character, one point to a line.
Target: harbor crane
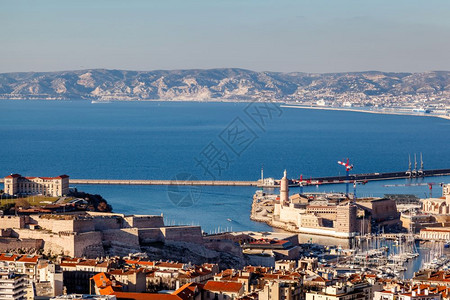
408	173
348	167
420	172
415	172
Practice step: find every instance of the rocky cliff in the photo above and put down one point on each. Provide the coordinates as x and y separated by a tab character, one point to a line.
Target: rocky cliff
226	84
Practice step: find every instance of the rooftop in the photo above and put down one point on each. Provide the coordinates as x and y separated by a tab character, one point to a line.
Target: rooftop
222	286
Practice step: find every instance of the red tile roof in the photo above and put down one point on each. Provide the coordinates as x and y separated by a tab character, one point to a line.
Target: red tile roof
29	258
13	176
101	280
8	257
168	265
223	286
187	291
88	262
145	296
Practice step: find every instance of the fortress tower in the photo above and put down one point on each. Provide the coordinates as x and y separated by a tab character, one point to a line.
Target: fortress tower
446	193
346	218
284	190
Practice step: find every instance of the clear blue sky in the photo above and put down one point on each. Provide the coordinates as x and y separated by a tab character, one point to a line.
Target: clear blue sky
297	35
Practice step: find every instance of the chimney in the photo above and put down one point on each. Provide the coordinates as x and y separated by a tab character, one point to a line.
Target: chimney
426	292
394	290
414	293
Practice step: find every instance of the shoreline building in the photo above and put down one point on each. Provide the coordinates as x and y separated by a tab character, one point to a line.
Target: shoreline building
16	184
337	220
438	206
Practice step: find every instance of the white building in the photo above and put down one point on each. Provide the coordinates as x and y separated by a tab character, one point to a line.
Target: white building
13	286
416	294
15	184
362	291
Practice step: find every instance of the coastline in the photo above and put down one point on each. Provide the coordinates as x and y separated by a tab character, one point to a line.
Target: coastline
283	104
365	111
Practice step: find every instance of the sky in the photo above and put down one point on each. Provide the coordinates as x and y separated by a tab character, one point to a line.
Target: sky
262	35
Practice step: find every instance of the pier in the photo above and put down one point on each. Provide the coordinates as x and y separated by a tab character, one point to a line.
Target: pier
372	176
360	178
164	182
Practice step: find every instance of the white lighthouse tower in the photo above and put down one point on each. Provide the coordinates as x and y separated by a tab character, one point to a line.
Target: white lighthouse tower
284	190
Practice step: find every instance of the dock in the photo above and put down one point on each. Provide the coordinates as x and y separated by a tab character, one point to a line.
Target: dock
374	176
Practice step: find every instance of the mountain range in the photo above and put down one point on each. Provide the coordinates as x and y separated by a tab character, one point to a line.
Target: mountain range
219	84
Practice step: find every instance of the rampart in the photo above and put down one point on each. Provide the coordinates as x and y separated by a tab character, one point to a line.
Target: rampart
191	234
10	244
13	221
127	237
144	221
150	235
61	223
89	235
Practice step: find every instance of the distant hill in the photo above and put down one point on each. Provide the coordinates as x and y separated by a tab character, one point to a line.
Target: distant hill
232	84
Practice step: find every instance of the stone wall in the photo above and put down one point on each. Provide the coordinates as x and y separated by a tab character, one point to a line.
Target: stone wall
91	236
227	246
63	225
53	243
289	214
128	237
12	221
143	221
83	225
108	222
150	235
191	234
64	243
346	218
10	244
88	244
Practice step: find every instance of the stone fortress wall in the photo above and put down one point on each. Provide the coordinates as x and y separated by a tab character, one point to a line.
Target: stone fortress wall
87	235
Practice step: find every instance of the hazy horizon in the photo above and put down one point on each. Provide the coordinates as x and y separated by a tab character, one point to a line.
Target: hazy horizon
267	35
219	68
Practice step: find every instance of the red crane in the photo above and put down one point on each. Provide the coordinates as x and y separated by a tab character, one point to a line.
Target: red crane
348	167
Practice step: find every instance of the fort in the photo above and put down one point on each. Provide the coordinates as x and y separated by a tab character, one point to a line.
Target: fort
332	215
91	234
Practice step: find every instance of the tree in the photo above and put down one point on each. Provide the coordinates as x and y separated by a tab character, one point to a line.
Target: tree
22	203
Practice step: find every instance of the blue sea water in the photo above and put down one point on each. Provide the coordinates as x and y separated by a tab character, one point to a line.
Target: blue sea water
158	140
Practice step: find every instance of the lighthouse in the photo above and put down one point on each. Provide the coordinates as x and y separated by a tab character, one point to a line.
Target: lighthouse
284	190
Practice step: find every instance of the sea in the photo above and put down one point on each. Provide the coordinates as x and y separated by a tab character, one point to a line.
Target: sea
213	141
